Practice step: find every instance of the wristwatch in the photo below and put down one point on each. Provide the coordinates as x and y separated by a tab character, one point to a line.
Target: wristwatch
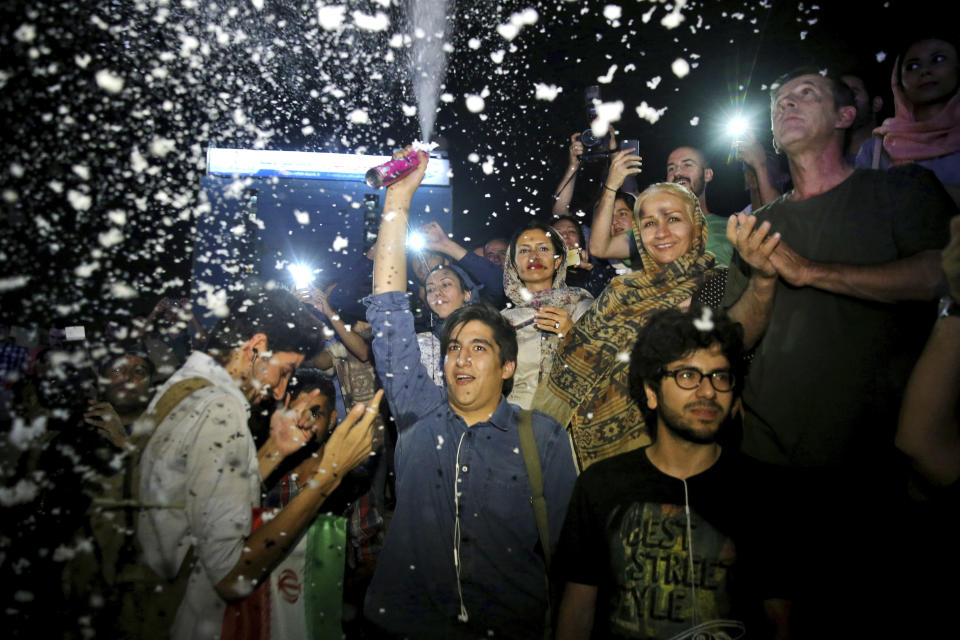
948	307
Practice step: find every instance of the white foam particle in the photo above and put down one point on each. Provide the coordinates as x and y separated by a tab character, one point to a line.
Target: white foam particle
377	22
497	56
110	237
257	4
475	103
607	112
25	33
674	18
340	243
108	81
447	97
427	147
118	217
508	31
81	170
330	17
881	56
359	116
302	216
705	321
86	269
82	60
408	110
122	290
546	92
473	43
654	82
24	491
13	282
488	165
612	12
161	146
680	67
79	201
650	114
439	441
137	162
694	121
606	79
473	157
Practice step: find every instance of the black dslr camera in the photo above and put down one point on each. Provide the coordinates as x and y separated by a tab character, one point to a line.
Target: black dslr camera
594	147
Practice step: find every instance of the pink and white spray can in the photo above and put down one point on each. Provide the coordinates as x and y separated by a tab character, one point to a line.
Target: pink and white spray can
389	172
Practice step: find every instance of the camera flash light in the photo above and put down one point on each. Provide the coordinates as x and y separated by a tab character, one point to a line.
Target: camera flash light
302	275
737	126
416	241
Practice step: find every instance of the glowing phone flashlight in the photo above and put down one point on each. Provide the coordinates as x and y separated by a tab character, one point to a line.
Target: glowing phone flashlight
302	275
736	127
416	241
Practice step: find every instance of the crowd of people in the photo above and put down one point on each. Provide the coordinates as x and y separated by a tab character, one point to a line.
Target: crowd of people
668	423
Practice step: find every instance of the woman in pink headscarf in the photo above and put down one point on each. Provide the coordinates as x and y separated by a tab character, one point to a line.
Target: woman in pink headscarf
925	128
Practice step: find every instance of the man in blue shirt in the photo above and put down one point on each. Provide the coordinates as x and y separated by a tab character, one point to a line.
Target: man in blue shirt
462	557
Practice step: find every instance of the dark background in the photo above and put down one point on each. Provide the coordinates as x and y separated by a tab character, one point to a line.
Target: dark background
80	161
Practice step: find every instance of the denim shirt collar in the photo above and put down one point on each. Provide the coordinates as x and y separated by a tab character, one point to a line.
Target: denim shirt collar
503	415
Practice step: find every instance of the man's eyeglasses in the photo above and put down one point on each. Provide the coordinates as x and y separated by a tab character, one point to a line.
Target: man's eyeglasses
689	378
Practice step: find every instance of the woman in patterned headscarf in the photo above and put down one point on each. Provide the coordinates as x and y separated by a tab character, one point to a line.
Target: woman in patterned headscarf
588	386
542	307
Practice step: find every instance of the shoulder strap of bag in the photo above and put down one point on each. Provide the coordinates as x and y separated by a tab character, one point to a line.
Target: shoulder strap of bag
151	601
170	399
531	458
175	395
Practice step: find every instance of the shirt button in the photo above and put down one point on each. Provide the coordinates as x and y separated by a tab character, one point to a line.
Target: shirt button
463	468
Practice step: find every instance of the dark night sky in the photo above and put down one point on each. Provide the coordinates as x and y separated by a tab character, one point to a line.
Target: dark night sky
100	184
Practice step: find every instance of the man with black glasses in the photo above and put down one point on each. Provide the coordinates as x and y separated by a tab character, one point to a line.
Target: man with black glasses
675	537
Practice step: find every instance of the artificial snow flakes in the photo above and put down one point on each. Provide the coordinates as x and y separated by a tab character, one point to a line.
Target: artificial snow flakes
650	114
108	81
546	92
606	79
122	290
607	112
705	322
680	67
110	238
475	103
378	22
79	201
358	116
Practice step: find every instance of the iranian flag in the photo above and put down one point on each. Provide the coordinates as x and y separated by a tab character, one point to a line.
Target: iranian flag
303	597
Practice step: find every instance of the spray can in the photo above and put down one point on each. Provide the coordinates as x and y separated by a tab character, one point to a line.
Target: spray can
389	172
